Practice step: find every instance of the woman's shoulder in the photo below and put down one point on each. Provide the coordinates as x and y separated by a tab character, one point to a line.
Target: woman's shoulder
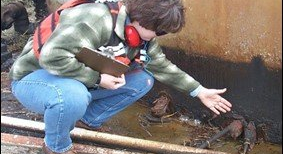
86	11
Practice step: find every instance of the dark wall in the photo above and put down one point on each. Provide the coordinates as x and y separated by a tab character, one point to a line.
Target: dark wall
254	91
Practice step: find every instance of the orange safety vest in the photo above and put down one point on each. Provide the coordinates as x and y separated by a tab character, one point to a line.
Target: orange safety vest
48	25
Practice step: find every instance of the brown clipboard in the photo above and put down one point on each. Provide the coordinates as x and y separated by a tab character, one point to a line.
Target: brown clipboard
101	63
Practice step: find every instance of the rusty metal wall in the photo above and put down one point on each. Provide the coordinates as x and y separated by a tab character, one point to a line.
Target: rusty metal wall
235	44
234	30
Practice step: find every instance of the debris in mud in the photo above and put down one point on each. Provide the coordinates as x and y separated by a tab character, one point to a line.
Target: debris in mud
261	133
162	109
249	136
190	121
196	137
162	105
238	127
234	129
163	112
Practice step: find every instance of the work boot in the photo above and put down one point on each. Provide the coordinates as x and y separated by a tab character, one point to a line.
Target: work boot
16	13
81	124
46	150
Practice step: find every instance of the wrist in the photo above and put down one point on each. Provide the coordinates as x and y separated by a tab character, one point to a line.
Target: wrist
195	92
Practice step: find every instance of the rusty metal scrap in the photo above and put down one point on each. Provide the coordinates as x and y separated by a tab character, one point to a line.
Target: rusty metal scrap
250	136
235	129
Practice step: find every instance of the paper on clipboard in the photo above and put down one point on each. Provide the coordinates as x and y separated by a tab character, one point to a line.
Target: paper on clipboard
101	63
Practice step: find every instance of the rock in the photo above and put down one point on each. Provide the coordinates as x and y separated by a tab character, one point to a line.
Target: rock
15	13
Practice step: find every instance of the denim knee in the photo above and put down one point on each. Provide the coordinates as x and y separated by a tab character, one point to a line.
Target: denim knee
149	81
75	101
38	96
139	81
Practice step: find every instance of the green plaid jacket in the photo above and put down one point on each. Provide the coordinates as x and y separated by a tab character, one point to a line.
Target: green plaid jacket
90	25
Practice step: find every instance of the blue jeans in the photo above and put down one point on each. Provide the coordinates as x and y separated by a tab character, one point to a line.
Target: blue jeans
63	101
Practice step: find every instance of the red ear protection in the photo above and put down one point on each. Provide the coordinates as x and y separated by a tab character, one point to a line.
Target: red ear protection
132	36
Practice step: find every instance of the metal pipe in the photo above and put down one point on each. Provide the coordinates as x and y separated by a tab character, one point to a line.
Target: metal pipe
234	128
110	139
215	137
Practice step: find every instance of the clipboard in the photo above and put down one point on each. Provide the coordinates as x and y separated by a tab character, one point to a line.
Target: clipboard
100	62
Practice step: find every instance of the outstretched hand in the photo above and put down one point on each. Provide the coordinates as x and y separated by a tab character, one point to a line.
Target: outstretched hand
211	98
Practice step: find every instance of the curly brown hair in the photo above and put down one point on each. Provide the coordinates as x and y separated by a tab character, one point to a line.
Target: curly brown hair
157	15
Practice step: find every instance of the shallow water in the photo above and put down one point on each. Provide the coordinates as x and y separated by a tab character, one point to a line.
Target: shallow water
128	123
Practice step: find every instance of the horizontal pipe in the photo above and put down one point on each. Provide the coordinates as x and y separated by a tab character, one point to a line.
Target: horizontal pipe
123	141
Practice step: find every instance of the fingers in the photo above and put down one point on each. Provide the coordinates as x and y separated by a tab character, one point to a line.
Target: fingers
224	101
123	76
212	99
118	80
221	91
112	82
223	106
220	108
214	110
118	85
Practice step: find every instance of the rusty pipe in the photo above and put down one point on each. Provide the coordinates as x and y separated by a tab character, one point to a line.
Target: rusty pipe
250	136
213	138
123	141
235	129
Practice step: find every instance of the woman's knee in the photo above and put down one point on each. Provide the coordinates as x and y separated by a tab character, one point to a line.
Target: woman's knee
68	95
140	80
76	99
149	80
